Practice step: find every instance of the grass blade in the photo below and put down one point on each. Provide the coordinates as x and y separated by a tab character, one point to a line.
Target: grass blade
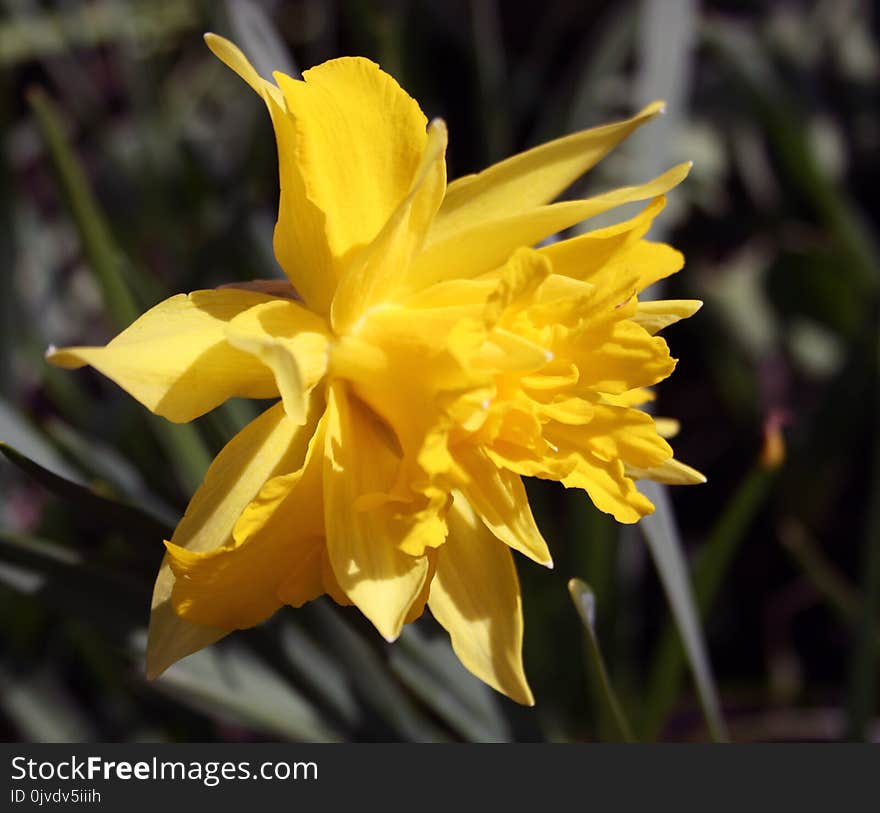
428	666
710	567
183	444
103	256
85	500
667	551
15	428
585	602
231	683
372	680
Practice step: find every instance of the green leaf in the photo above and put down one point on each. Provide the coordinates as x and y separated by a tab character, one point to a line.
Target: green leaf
257	36
105	463
104	257
710	567
754	76
430	669
661	534
371	677
40	707
293	655
86	501
14	427
229	682
585	602
114	274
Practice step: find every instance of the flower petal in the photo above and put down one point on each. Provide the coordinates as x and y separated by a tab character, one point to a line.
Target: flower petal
531	178
300	240
269	445
290	341
484	245
667	427
650	261
274	558
655	315
582	256
364	545
475	596
614	433
280	288
231	55
620	358
672	473
379	274
499	498
175	359
609	488
359	143
519	278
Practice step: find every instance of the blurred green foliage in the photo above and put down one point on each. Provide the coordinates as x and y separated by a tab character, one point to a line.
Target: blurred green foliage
134	166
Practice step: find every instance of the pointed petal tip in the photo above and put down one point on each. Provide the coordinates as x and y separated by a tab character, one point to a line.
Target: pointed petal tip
655	108
522	694
214	42
51	350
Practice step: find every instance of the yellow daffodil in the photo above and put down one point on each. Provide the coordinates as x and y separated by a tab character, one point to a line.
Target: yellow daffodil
427	356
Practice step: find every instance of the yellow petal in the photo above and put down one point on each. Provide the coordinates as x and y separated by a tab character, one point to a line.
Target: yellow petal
614	433
507	352
609	488
290	341
467	295
175	359
267	446
620	358
667	427
275	557
485	245
521	276
655	315
360	139
364	545
475	596
571	411
300	240
531	178
672	472
280	288
631	398
651	262
232	56
582	256
379	274
499	498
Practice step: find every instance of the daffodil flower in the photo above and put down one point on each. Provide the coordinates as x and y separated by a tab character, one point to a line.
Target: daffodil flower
429	351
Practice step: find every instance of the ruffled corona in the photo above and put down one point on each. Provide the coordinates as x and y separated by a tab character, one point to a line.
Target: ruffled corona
426	355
